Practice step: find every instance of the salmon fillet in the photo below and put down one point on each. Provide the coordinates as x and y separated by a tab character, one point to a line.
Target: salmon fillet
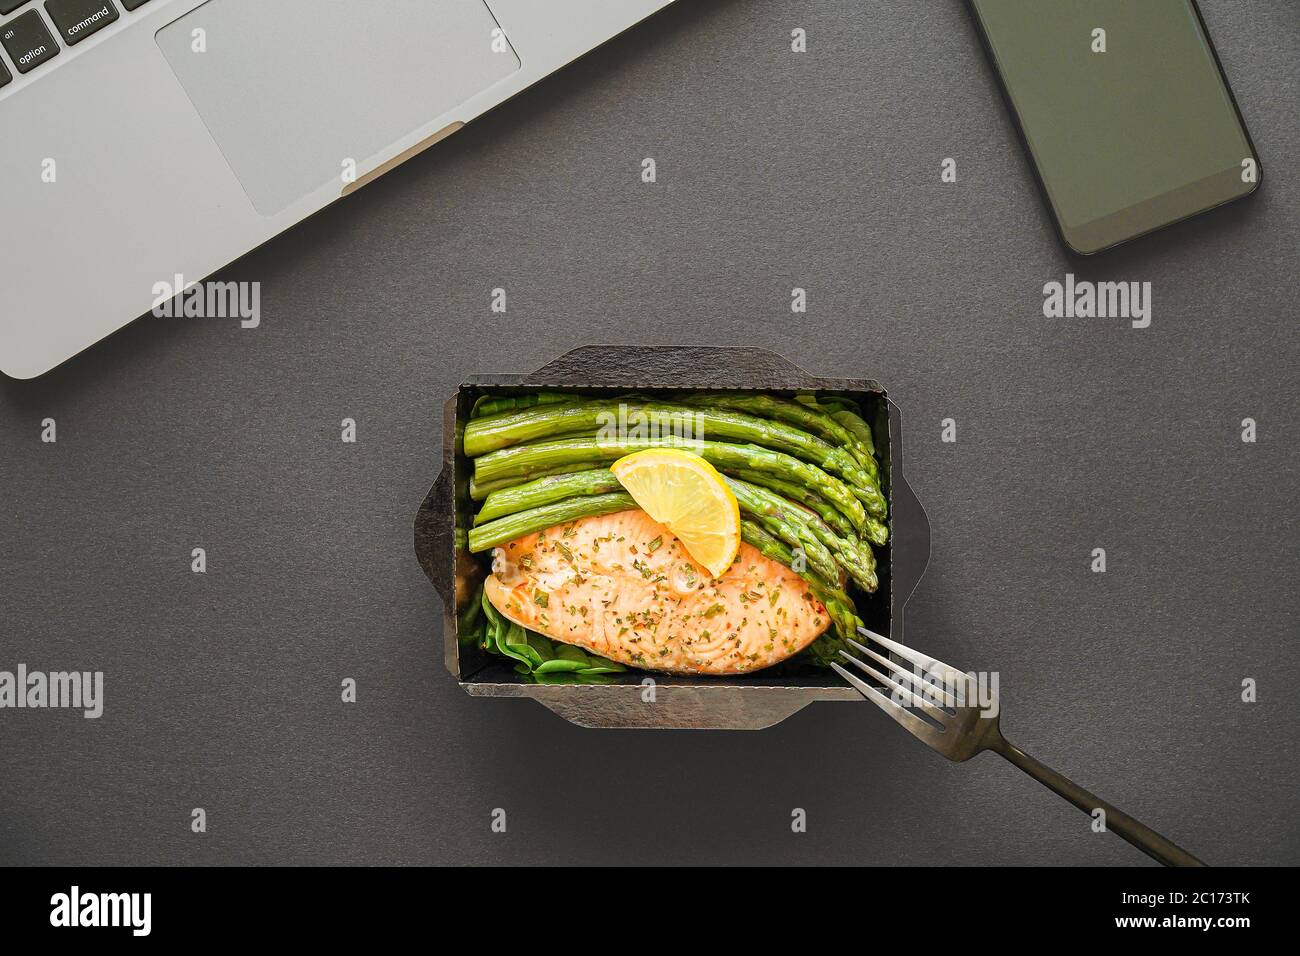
622	586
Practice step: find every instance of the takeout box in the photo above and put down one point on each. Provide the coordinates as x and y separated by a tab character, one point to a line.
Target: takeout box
644	699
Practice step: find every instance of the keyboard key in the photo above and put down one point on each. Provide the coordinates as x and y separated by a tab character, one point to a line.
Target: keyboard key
9	6
78	19
28	42
4	75
132	4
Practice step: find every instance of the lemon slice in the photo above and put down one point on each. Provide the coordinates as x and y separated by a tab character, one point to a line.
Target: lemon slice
686	494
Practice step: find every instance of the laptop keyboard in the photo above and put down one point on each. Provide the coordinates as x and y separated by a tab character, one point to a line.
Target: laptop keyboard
29	40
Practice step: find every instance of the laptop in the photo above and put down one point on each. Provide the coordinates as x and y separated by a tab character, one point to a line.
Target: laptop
148	140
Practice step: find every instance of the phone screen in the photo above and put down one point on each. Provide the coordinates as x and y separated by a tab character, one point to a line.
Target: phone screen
1125	111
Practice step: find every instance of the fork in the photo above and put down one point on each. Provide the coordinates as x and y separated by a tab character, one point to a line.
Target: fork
959	730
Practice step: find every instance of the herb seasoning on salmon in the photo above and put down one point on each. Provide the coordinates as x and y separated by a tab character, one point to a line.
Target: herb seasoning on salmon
622	586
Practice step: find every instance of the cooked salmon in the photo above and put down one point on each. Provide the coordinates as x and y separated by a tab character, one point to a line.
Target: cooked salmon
622	586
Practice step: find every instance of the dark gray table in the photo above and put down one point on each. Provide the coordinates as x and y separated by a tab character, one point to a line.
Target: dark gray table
775	170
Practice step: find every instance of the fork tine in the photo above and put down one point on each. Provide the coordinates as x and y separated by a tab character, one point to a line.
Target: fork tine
946	671
912	723
949	700
914	699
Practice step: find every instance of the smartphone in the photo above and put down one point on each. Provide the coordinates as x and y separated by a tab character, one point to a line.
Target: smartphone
1124	109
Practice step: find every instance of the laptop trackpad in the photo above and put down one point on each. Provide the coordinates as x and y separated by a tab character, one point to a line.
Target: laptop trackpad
294	89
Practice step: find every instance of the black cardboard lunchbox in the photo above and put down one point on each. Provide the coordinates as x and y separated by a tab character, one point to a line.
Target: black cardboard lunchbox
640	699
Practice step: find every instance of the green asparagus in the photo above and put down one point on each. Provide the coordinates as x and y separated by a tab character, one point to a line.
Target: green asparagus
811	419
798	528
487	536
531	461
624	419
798	494
545	491
873	529
496	404
479	491
510	495
777	520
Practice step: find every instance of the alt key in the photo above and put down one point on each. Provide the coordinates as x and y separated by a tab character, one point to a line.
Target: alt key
28	42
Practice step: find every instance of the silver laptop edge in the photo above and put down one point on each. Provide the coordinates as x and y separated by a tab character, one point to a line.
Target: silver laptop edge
115	177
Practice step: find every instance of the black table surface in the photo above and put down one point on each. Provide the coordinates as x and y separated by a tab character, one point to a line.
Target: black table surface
775	170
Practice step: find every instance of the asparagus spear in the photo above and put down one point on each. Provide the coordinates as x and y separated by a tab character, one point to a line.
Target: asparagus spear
531	461
484	491
854	555
810	418
798	494
855	425
775	517
545	491
797	528
487	536
777	521
624	418
808	532
480	490
872	528
511	495
496	404
876	531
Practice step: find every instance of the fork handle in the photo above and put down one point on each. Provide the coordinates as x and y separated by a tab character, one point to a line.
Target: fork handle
1117	821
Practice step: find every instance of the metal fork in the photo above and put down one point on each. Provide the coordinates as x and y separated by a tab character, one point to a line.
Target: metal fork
960	729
